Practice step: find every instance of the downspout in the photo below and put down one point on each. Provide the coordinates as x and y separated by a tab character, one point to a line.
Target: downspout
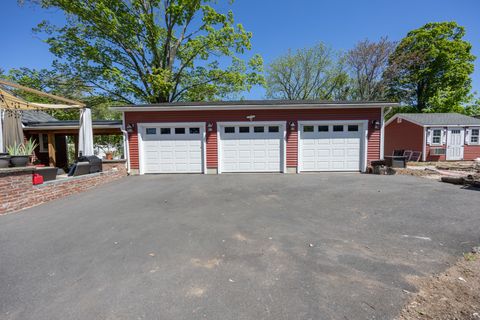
125	144
382	132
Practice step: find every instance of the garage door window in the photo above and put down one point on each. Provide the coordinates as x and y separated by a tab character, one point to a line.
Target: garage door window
229	130
322	128
244	129
179	130
258	129
338	128
307	128
353	128
194	130
272	129
165	131
151	130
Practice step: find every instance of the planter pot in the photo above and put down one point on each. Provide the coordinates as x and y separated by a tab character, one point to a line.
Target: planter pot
4	161
109	156
19	161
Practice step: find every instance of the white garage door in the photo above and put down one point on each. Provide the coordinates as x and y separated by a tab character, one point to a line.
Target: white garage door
251	147
331	147
171	148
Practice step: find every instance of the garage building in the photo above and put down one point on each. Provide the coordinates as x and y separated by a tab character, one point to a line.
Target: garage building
253	136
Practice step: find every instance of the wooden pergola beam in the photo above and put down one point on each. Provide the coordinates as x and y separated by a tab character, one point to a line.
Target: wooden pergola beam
43	94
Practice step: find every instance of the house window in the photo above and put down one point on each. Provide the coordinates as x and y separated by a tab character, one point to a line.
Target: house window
151	130
475	136
43	142
437	136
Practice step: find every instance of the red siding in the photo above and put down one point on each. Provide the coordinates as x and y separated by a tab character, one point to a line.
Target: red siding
431	157
260	115
403	136
471	152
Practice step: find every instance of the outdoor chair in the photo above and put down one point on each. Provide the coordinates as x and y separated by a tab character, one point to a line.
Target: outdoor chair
416	155
407	154
79	169
48	173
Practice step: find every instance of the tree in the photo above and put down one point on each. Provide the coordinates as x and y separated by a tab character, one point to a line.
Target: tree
367	62
431	67
315	73
153	51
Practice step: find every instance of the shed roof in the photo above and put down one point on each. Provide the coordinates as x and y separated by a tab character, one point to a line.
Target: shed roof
439	119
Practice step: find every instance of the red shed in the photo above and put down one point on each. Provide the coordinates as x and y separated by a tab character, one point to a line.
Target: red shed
253	136
439	136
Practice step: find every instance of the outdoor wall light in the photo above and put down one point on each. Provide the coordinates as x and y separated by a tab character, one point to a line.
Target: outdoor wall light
292	125
376	124
210	126
130	127
250	117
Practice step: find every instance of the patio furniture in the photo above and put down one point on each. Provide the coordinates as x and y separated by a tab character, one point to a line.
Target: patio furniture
48	173
407	154
398	153
396	161
416	155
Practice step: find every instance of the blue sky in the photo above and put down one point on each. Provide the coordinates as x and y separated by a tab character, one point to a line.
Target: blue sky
277	25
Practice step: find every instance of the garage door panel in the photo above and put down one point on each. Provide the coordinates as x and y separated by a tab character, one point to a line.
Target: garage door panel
250	152
172	153
329	151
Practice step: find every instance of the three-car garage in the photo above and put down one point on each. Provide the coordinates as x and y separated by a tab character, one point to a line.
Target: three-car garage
253	136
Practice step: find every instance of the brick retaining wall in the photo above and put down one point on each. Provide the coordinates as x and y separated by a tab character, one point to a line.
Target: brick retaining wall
17	191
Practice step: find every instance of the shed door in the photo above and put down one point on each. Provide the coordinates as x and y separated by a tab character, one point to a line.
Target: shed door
330	147
172	149
455	139
251	147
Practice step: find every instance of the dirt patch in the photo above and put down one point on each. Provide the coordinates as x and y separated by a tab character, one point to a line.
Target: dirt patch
454	294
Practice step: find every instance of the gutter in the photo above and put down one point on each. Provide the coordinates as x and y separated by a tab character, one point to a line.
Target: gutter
126	149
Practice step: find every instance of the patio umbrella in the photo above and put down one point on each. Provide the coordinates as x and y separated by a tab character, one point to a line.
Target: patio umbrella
85	135
12	128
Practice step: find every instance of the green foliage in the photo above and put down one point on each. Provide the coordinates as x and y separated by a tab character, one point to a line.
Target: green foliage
22	149
54	82
153	51
431	67
316	73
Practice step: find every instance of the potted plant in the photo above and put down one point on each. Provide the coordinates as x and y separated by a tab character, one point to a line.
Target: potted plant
4	160
20	153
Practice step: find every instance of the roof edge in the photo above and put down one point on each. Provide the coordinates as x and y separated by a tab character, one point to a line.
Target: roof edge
253	106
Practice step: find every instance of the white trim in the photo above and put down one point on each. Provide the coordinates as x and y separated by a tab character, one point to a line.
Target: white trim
126	143
447	140
142	125
442	136
166	107
382	135
283	159
424	146
363	144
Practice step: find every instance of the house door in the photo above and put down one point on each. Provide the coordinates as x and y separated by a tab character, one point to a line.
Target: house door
455	139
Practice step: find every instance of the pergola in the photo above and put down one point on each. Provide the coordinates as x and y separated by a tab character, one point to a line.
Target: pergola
10	118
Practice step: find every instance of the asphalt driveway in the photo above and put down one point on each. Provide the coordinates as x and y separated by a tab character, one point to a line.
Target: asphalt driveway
309	246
